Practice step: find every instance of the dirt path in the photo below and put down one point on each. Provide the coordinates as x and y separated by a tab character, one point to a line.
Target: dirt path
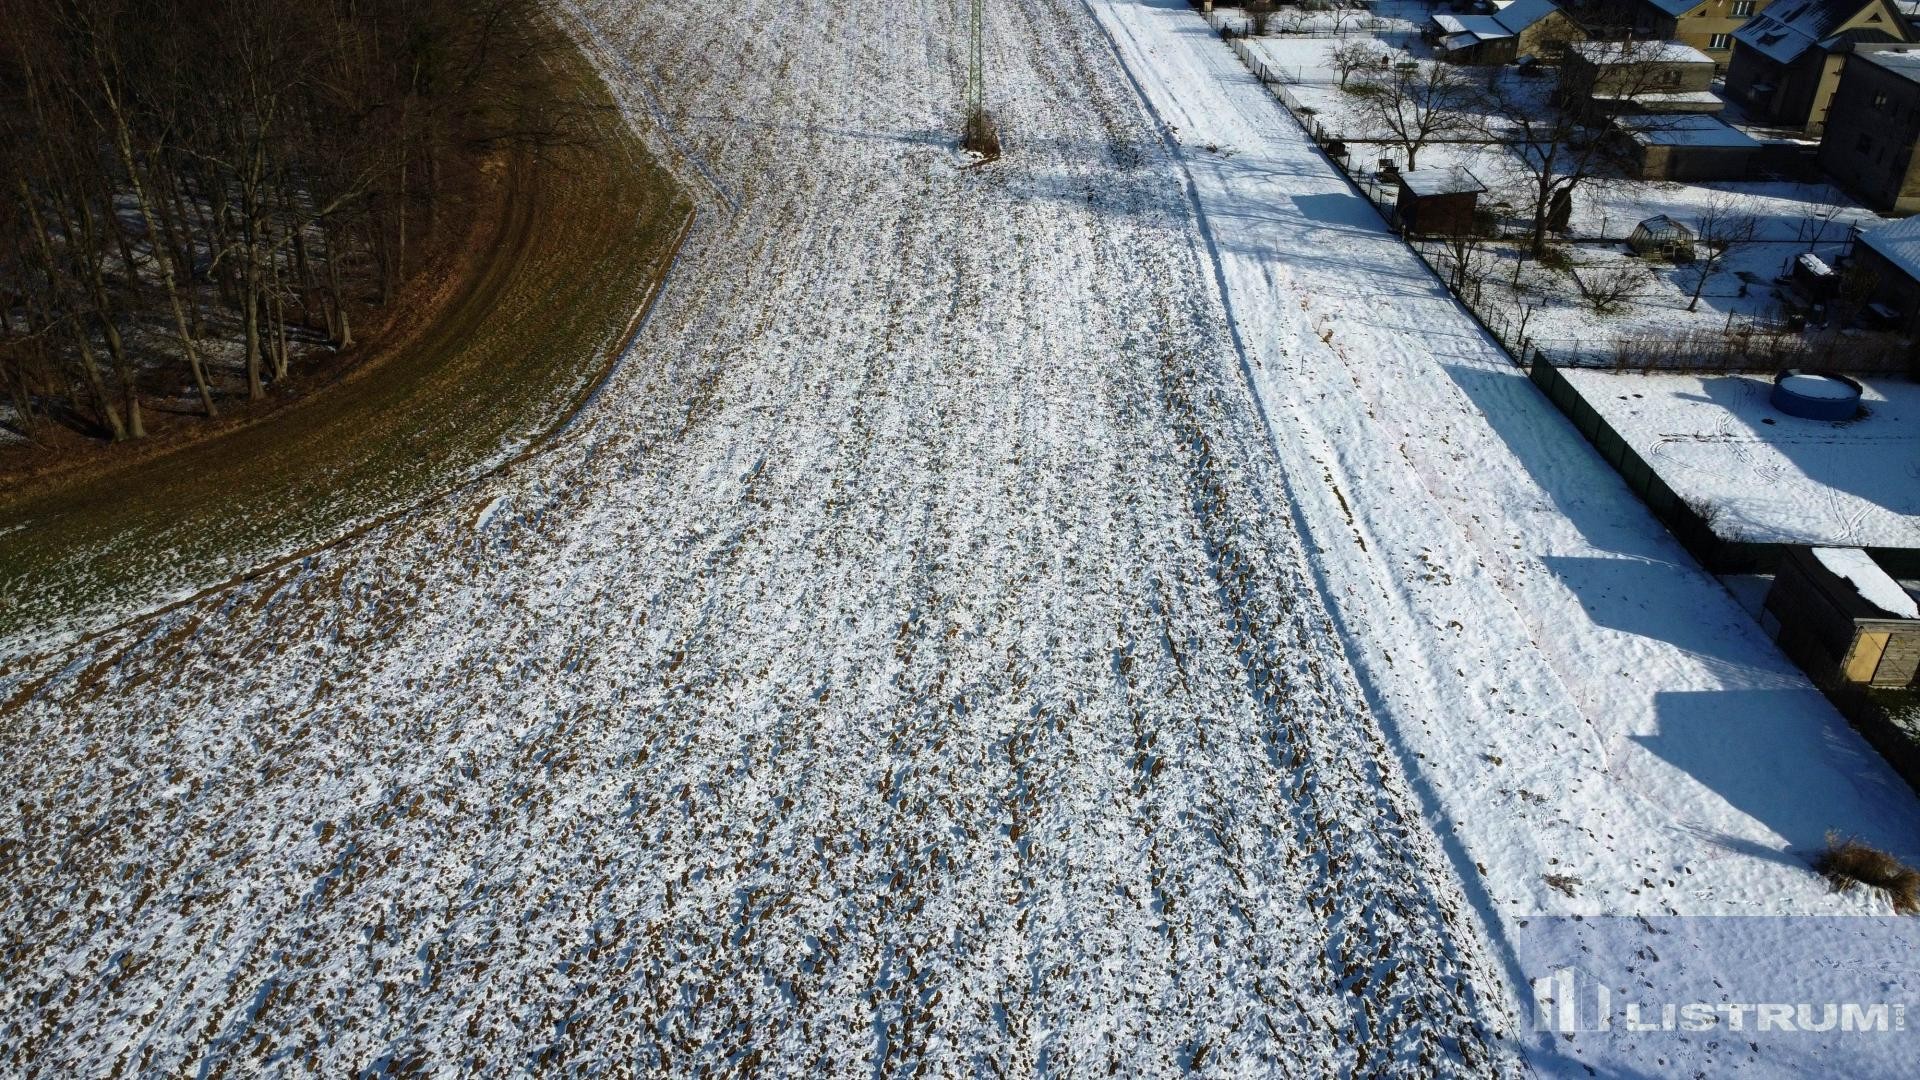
907	667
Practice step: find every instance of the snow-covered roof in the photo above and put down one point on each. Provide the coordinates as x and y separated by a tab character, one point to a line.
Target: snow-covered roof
1897	242
1660	224
1903	62
1676	8
1462	31
1814	264
1693	100
1788	28
1483	27
1686	129
1773	39
1874	584
1521	14
1604	53
1451	180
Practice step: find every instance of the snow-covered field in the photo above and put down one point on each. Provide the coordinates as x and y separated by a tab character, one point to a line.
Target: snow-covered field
906	663
1596	725
1109	611
1771	478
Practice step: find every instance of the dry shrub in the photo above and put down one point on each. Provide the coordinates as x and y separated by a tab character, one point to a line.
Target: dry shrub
1847	862
1607	290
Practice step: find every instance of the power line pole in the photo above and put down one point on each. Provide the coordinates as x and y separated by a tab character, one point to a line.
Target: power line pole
982	137
976	66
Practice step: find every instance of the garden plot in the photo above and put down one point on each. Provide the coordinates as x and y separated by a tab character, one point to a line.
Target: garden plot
904	663
1592	292
1759	475
1816	217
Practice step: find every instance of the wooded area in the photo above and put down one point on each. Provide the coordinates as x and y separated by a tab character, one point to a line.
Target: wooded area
201	193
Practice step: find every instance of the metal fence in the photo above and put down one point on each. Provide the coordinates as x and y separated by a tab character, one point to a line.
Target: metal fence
1759	347
1505	328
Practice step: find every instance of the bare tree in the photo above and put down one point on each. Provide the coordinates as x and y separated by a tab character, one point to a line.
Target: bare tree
1727	223
1558	149
1414	102
1606	289
1468	263
1290	18
1346	13
1859	283
1827	206
207	169
1356	56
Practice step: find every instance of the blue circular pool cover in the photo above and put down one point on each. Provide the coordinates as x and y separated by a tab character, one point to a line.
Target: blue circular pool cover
1816	395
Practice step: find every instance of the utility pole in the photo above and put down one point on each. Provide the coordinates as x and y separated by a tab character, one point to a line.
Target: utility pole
981	137
976	65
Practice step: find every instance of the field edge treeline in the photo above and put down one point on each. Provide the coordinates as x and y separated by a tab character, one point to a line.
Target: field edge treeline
205	194
568	242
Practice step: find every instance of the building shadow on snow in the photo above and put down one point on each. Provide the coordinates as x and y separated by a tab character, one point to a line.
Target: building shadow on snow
1637	596
1757	749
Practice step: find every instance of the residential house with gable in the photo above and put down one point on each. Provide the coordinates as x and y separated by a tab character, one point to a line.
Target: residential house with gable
1707	25
1787	60
1536	28
1872	130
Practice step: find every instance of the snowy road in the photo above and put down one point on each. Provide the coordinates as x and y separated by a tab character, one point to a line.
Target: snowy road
1578	698
906	663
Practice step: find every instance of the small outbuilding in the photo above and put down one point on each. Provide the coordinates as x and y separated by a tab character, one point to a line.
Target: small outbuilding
1813	278
1687	147
1888	257
1838	613
1536	28
1664	237
1614	77
1438	202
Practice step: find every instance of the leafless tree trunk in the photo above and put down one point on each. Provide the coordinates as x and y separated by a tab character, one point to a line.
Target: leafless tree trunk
1415	102
1727	223
251	138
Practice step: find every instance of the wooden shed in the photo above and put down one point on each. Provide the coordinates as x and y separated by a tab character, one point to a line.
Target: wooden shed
1837	612
1438	202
